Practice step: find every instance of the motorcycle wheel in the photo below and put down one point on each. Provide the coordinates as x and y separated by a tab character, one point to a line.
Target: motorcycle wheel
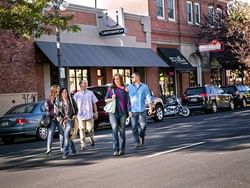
185	112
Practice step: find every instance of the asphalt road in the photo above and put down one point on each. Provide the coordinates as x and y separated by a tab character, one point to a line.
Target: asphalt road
201	151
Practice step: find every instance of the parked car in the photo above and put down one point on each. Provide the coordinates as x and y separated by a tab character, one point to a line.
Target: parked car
207	98
21	121
241	94
100	93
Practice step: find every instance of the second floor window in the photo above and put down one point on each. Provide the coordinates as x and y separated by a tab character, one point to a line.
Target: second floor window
189	12
160	8
197	13
171	10
210	15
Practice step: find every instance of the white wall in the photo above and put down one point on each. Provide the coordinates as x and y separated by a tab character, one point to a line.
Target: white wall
11	99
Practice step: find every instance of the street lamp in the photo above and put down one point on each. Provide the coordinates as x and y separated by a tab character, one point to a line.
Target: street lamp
58	5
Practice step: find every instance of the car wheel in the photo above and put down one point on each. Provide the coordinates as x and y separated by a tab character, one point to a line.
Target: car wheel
42	133
159	113
244	103
214	107
231	105
8	139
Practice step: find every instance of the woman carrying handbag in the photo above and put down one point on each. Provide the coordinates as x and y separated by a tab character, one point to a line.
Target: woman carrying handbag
118	117
66	110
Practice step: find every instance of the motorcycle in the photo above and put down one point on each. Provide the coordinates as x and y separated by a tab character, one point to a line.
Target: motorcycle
174	106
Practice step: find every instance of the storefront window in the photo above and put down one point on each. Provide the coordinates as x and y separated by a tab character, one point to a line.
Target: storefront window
216	77
126	74
236	76
99	77
75	75
167	83
193	78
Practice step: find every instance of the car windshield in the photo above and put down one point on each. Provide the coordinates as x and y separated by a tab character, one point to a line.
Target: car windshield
20	109
195	91
242	88
100	92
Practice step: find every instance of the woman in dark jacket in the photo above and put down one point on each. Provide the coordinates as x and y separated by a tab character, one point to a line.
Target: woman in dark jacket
66	109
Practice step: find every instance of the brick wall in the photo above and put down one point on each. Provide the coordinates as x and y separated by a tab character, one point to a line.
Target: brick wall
135	28
18	69
152	79
86	18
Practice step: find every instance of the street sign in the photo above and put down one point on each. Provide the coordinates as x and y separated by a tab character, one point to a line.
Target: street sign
214	46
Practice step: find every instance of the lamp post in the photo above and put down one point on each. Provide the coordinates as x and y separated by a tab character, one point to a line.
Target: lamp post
59	5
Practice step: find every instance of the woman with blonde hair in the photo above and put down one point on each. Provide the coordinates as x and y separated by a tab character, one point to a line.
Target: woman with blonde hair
51	103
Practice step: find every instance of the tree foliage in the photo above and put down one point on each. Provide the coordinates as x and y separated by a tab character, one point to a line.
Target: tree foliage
231	26
28	17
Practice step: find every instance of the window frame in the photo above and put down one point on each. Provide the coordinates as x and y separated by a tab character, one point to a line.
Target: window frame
126	73
162	8
197	13
169	18
189	3
75	78
212	15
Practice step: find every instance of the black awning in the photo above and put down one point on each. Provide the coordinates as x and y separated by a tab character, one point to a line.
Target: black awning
84	55
175	59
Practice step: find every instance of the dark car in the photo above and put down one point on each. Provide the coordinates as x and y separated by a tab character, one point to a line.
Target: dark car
100	93
207	98
21	121
240	93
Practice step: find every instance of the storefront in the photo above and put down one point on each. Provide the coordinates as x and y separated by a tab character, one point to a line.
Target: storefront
97	63
180	74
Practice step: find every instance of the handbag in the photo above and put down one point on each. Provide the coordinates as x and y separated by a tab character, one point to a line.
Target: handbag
45	121
110	106
74	129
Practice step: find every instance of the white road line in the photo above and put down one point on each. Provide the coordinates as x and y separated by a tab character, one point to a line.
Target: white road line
176	149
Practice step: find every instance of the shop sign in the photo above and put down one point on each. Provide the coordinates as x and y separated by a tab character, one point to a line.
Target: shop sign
178	59
214	46
116	31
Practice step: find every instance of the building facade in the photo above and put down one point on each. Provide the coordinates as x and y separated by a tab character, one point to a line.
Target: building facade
103	47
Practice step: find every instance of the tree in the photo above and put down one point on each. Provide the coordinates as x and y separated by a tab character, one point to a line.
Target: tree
230	25
28	17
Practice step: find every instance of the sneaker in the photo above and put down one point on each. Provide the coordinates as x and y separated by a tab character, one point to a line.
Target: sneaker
116	153
48	152
121	153
65	156
73	153
61	149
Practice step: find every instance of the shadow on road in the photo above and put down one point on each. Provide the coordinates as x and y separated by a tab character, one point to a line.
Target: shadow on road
225	131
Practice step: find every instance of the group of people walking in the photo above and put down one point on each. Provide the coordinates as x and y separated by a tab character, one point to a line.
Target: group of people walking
130	102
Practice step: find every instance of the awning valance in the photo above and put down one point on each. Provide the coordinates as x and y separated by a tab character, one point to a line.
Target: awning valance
84	55
174	58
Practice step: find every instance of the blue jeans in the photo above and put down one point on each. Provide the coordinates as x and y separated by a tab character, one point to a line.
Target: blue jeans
69	145
138	131
118	131
51	131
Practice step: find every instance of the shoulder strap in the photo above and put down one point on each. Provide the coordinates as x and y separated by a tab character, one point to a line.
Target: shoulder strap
72	105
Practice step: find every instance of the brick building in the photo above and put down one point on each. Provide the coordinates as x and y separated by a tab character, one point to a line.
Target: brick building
174	36
103	47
